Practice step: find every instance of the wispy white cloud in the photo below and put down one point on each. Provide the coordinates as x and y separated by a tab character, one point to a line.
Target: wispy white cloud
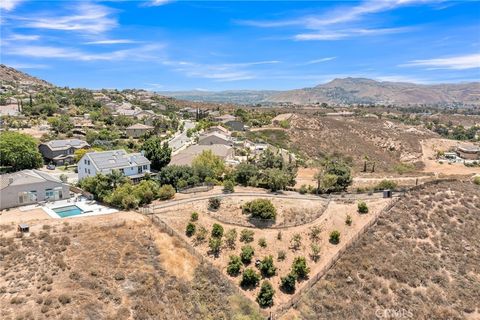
87	18
315	61
9	5
220	72
22	37
157	3
342	34
341	22
112	41
470	61
142	53
27	65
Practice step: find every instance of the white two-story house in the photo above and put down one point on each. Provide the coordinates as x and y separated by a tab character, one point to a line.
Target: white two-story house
132	165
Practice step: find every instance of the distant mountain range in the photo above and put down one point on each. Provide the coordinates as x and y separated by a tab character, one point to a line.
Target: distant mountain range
349	91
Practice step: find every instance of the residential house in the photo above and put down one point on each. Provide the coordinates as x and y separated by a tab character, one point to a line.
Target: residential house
224	118
185	157
29	187
214	138
235	125
60	152
469	152
132	165
138	130
219	129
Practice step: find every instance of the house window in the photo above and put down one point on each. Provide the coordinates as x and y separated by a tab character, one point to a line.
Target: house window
85	161
85	170
53	194
88	171
27	196
140	169
144	167
122	171
88	162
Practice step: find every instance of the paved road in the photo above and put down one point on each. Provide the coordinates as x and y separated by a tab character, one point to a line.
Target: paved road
180	140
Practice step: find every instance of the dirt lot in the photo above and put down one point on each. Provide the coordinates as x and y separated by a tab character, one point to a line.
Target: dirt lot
422	258
109	267
430	148
387	143
332	219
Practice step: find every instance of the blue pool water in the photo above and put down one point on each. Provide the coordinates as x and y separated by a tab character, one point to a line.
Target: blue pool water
68	211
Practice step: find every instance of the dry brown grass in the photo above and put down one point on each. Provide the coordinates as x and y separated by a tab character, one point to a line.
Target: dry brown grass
114	270
423	256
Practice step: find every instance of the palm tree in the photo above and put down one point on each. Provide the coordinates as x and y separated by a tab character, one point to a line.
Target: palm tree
115	178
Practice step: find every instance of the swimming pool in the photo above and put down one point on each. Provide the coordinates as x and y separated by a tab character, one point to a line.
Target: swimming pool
68	211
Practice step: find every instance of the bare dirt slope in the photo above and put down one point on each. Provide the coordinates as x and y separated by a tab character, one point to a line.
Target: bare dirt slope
109	270
422	257
11	76
381	140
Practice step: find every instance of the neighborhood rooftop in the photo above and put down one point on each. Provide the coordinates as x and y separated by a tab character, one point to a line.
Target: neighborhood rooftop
116	159
185	157
65	144
139	126
25	177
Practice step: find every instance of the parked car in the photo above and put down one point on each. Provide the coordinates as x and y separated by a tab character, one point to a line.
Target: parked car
51	167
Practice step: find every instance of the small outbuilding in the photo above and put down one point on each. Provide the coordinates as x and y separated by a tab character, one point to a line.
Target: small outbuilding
23	228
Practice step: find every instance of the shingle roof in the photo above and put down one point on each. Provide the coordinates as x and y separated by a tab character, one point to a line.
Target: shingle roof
25	177
138	126
185	157
66	144
116	159
215	134
466	148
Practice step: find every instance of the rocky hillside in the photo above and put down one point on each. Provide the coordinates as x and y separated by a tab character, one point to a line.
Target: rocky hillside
351	91
14	77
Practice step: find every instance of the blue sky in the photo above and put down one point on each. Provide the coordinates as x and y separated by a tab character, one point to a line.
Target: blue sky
179	45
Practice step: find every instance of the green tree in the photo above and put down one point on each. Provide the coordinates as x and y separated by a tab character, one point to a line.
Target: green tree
300	268
190	229
123	197
247	254
265	296
194	216
250	278
166	192
260	208
19	151
214	203
362	207
334	237
287	283
215	245
157	152
228	186
315	254
234	266
276	179
61	124
266	267
146	191
207	165
217	231
245	172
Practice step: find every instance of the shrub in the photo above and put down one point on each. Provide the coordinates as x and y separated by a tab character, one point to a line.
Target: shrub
300	268
190	230
476	180
166	192
348	220
215	244
315	233
362	207
214	203
64	299
279	235
201	234
296	241
303	189
217	231
287	283
246	235
265	296
262	242
281	255
250	278
234	266
266	267
194	216
315	255
228	186
386	184
231	238
247	254
335	237
260	208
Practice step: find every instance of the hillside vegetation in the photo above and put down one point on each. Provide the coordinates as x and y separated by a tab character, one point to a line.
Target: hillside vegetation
422	258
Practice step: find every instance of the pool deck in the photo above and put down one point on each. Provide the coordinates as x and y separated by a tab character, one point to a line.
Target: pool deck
89	207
